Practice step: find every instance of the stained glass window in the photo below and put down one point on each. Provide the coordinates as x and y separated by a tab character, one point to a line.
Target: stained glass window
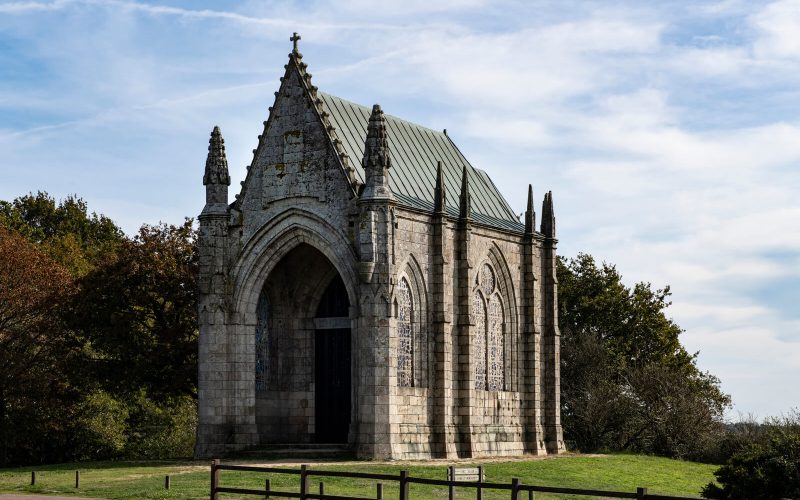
487	280
488	342
405	328
262	341
495	354
479	341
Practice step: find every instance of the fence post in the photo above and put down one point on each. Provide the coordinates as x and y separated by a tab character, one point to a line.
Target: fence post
530	495
479	494
214	479
266	488
641	493
514	488
303	481
403	485
451	489
77	479
33	478
379	492
166	482
321	489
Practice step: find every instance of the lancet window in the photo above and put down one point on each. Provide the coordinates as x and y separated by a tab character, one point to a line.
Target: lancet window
405	328
489	338
479	341
262	343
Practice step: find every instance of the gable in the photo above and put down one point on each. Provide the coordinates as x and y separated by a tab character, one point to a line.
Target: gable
414	151
295	157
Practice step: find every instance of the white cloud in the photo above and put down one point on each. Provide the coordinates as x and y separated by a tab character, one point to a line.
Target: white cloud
779	29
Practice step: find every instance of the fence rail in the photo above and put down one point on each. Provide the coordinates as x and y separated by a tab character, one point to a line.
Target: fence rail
515	488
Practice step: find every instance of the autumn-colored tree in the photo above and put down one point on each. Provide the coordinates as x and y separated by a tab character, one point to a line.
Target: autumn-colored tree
33	346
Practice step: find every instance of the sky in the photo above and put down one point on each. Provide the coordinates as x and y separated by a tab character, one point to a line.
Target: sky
669	132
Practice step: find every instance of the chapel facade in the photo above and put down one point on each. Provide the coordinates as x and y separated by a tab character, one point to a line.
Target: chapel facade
369	287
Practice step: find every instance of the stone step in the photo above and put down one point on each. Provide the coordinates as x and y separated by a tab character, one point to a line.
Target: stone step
300	450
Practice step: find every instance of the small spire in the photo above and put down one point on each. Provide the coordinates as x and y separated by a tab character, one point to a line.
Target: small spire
294	39
464	201
548	216
216	162
439	195
530	215
376	160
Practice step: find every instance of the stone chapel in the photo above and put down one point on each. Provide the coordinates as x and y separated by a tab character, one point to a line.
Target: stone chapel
369	287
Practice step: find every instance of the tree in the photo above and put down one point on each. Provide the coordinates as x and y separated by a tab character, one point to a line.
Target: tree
766	464
110	360
33	344
138	312
627	382
65	230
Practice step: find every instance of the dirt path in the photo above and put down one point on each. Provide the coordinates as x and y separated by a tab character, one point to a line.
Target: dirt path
7	496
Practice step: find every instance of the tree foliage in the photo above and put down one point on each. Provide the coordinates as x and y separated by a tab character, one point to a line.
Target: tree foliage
33	345
627	382
764	465
97	335
138	311
64	230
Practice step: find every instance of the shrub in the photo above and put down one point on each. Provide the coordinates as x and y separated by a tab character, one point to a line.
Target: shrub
766	467
99	427
165	430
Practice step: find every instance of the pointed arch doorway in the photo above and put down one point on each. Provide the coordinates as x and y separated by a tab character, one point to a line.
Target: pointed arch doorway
332	402
303	361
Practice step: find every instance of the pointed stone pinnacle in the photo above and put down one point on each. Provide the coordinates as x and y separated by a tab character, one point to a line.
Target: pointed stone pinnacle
548	216
216	162
530	215
464	201
439	195
376	161
376	149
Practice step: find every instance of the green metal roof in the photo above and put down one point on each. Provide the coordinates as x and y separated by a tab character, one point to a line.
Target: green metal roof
414	151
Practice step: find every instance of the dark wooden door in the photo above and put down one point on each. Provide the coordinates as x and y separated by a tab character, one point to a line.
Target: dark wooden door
332	384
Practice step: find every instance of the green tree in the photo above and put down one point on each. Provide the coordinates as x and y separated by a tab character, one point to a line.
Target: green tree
766	464
138	312
64	230
627	382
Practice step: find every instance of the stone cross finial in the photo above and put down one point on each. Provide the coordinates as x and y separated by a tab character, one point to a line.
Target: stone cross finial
294	39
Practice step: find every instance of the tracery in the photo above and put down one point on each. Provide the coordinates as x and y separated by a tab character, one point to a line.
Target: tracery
262	342
489	341
405	328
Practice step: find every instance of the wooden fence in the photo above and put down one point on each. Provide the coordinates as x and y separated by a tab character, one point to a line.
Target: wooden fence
516	489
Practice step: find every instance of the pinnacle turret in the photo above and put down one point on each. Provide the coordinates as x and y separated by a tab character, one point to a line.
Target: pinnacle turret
439	195
216	162
548	216
216	178
464	200
530	215
376	160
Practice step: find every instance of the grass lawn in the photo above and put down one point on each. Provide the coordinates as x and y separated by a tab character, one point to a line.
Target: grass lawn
190	480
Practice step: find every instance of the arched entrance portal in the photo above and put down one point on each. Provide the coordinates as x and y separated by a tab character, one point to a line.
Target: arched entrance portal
302	346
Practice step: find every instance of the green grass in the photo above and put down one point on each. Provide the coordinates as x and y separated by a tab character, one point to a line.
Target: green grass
190	480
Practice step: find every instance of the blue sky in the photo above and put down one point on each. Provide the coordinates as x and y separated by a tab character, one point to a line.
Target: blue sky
669	132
